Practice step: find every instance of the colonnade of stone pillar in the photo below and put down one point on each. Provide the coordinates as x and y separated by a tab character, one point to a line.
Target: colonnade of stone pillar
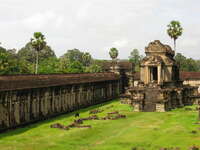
20	107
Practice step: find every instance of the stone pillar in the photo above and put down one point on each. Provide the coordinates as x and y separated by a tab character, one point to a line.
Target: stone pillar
141	73
169	77
160	107
147	74
180	98
159	74
137	106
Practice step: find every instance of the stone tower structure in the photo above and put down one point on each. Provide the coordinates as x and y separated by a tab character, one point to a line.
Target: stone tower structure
159	65
160	88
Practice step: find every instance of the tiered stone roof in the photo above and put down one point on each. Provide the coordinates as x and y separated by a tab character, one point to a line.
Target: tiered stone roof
16	82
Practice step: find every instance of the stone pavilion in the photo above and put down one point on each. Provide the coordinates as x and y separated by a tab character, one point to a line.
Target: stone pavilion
160	88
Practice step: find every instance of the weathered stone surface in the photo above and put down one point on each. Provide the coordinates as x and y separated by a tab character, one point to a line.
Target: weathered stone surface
23	106
160	88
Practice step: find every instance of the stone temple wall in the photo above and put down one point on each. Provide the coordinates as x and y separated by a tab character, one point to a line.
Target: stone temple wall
20	106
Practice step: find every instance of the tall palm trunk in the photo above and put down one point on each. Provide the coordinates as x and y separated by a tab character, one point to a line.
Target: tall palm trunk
174	44
36	63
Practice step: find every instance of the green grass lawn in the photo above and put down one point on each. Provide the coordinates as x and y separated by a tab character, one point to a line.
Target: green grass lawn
148	130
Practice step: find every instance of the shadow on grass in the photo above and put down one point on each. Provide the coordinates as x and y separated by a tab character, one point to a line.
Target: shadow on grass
35	124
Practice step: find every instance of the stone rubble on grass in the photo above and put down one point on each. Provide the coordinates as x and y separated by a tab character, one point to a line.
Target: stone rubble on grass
77	123
95	111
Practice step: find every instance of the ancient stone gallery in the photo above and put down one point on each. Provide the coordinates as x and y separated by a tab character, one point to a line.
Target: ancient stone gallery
160	88
29	98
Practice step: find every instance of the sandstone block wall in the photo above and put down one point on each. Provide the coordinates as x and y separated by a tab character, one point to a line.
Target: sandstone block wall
23	106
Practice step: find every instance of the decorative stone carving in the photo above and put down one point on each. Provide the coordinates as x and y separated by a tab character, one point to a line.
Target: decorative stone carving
160	88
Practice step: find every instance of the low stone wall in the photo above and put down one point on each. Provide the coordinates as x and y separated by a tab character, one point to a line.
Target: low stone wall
23	106
193	82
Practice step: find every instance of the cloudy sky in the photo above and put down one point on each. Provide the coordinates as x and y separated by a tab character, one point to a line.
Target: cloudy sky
97	25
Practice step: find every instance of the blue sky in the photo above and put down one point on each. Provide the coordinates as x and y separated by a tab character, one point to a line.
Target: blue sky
97	25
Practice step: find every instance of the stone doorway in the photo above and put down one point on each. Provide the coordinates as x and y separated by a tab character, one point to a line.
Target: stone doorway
154	73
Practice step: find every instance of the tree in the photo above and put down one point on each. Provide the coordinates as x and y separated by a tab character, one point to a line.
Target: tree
86	58
2	50
48	66
27	55
181	61
74	67
174	31
135	58
73	55
38	43
192	65
187	64
74	58
93	68
113	53
4	63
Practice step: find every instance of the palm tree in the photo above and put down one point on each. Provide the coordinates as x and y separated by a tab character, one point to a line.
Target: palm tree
174	31
113	53
38	43
87	58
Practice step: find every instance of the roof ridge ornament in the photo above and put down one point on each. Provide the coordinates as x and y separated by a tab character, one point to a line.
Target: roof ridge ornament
157	46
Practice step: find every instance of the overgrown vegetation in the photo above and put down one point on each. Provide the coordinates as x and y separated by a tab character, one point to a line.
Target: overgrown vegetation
186	64
148	131
44	61
39	58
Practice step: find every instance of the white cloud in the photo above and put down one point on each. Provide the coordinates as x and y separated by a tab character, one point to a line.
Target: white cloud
43	20
120	43
84	10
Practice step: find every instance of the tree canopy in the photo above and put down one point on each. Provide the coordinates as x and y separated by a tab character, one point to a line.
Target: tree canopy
22	61
135	58
38	43
174	31
113	53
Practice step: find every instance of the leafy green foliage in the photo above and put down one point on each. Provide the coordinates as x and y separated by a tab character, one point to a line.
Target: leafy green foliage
74	67
73	60
49	66
38	43
11	64
174	31
73	55
93	68
135	58
113	53
37	52
4	63
86	58
187	64
2	50
28	53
